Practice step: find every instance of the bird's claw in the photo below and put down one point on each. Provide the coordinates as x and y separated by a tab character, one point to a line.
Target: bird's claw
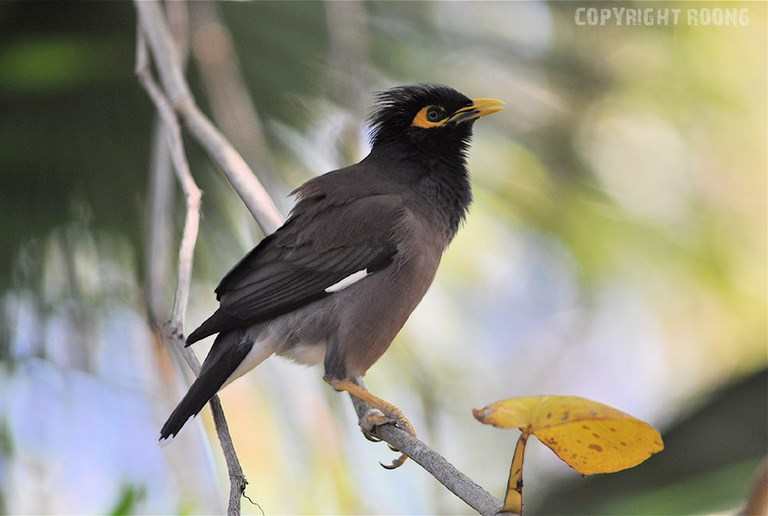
371	419
380	413
395	463
375	418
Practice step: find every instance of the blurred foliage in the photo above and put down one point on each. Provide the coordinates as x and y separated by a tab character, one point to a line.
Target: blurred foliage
617	239
74	127
130	498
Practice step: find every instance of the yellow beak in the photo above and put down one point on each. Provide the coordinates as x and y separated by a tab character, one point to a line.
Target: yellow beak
479	107
487	106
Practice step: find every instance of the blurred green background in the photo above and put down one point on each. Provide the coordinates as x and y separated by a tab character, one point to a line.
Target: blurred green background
616	250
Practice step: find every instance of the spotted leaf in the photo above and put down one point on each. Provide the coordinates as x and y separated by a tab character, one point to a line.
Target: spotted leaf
589	436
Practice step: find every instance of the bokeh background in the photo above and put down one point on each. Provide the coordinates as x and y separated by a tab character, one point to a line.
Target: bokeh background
616	250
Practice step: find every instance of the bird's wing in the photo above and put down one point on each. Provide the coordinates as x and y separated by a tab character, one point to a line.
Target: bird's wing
322	248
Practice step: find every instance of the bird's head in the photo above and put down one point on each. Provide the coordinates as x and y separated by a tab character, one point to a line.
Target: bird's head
427	117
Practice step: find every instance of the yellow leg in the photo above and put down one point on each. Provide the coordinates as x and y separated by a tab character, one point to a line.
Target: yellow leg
389	413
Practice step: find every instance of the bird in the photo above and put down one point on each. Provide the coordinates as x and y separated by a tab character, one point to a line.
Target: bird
337	281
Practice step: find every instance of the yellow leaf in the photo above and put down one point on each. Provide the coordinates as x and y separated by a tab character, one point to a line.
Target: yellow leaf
589	436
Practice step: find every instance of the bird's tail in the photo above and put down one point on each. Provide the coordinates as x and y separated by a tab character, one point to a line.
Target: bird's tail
229	350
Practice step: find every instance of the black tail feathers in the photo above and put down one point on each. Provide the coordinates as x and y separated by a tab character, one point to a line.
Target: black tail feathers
219	322
228	351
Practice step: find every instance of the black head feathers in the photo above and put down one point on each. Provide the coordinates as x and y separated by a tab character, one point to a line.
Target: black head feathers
420	115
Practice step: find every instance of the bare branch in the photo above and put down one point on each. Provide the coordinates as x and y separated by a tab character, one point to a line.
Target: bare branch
240	176
444	472
237	480
161	193
173	331
253	194
191	192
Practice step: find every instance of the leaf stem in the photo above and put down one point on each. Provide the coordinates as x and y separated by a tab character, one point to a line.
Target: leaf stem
513	500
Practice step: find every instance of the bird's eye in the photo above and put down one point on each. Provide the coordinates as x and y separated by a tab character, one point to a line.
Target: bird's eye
435	114
429	117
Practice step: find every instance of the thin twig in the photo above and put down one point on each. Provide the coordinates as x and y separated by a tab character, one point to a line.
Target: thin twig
444	472
262	207
161	192
191	191
237	172
173	331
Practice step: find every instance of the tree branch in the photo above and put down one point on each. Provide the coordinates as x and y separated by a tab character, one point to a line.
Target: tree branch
172	333
435	464
240	176
191	191
178	98
161	193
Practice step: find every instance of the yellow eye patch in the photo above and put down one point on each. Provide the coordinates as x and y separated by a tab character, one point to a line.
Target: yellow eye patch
430	116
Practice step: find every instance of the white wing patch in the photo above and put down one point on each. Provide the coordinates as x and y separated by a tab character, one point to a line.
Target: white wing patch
346	282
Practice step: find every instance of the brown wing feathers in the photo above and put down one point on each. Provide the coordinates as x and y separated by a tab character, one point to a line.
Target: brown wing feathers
293	267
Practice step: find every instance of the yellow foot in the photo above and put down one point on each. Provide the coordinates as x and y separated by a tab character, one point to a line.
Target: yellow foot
381	413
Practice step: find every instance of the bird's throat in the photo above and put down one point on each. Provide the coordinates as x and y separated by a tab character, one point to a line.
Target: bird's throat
446	190
438	176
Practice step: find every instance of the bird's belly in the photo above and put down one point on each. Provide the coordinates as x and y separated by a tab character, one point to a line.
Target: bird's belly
261	350
376	311
305	354
303	333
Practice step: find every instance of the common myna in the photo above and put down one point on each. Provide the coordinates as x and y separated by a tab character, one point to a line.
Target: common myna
338	280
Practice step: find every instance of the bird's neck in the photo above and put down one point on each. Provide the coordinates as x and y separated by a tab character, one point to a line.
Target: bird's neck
441	180
446	189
